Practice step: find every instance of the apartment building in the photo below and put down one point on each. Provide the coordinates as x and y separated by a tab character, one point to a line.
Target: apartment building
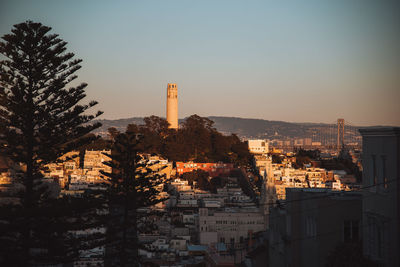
381	202
94	159
214	169
312	224
258	146
231	226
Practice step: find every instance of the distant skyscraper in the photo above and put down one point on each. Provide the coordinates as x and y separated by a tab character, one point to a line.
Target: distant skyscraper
172	105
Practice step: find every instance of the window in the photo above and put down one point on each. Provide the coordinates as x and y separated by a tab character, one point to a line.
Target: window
311	226
384	178
351	231
374	178
375	237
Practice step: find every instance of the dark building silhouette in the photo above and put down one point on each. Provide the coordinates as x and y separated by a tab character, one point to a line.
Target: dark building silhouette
381	201
312	224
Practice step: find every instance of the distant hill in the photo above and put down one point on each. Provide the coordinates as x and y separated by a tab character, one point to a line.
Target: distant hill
119	124
243	127
258	128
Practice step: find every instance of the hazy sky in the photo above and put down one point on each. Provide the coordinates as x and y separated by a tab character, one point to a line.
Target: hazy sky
300	61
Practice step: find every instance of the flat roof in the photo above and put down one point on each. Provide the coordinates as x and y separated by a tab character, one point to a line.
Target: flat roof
196	248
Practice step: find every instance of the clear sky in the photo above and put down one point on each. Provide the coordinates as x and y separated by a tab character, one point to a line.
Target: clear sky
299	61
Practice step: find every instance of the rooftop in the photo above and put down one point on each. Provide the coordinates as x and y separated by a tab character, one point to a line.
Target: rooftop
380	131
196	248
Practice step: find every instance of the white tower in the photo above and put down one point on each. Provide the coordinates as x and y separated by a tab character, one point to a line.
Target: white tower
172	105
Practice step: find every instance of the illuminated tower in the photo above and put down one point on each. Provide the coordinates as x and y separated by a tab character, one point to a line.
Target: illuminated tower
172	105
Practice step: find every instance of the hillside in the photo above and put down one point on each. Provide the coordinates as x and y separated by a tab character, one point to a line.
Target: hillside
243	127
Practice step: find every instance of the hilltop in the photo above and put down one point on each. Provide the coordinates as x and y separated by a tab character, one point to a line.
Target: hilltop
243	127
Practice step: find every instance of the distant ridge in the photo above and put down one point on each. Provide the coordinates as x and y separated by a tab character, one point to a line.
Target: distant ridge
120	124
243	127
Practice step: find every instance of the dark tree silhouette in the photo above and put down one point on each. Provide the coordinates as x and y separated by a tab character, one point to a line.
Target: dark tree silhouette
196	140
241	154
154	132
217	182
132	128
112	132
277	158
40	120
156	124
197	134
305	157
198	176
199	141
133	184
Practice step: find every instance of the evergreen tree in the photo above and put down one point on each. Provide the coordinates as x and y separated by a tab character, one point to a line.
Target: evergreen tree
134	183
154	131
197	135
112	132
40	120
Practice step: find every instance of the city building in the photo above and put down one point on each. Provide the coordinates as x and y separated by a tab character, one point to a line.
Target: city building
258	146
231	226
214	169
92	256
307	142
381	202
312	224
159	165
268	190
172	105
93	162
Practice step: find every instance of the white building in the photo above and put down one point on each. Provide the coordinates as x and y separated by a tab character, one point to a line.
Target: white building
258	146
94	159
230	226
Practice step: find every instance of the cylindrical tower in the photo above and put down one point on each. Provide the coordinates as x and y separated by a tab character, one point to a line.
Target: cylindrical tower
172	105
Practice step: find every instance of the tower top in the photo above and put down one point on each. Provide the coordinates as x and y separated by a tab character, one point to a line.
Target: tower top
172	85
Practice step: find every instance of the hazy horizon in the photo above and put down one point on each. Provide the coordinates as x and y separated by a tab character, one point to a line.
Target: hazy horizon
248	118
311	62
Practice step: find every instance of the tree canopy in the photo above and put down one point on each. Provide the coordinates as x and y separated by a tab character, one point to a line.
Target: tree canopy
132	184
41	118
196	140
